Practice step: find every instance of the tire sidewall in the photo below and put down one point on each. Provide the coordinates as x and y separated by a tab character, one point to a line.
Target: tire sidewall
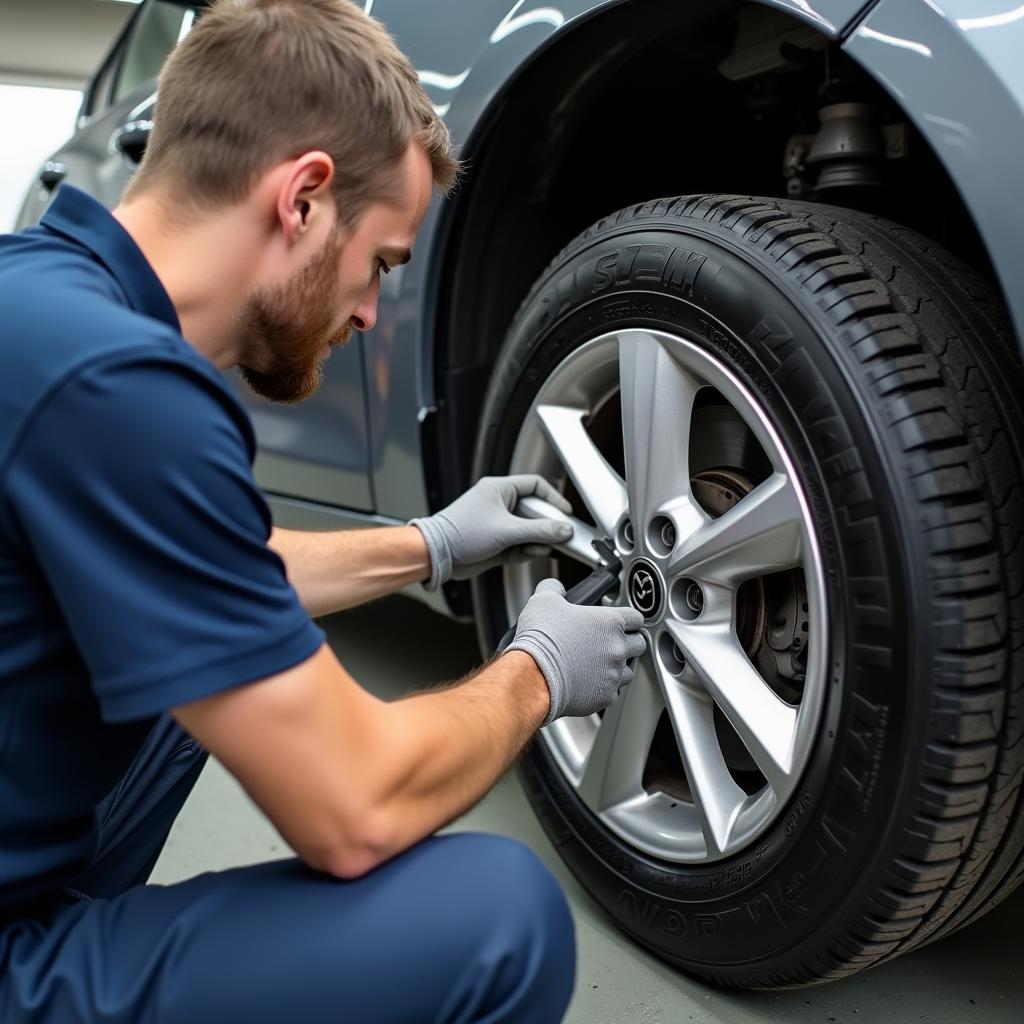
795	879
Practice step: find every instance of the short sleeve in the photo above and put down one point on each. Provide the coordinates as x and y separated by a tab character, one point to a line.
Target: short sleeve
132	490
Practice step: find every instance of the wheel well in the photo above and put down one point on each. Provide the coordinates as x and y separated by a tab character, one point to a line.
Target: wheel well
643	101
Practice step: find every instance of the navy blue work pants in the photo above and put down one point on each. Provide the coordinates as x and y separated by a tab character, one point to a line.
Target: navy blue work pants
459	928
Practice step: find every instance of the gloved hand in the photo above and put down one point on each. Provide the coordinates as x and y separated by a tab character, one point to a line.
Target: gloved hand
479	530
583	651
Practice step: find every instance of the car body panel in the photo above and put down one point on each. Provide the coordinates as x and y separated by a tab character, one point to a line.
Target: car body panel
831	17
465	73
92	165
956	69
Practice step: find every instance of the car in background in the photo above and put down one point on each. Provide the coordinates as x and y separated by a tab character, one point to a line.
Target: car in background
743	280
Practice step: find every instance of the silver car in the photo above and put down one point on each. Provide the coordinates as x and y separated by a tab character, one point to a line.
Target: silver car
790	393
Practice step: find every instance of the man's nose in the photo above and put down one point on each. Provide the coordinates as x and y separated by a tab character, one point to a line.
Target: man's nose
365	314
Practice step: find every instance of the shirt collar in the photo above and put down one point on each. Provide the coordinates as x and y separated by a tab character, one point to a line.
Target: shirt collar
81	218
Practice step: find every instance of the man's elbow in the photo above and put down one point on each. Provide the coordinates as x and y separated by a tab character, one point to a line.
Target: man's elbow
355	849
346	865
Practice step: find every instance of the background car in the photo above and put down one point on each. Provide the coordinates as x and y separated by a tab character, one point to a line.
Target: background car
791	396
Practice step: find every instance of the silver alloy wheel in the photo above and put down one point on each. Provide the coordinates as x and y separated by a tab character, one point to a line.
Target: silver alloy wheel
686	570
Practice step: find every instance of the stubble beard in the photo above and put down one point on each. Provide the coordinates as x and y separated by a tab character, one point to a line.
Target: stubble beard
284	328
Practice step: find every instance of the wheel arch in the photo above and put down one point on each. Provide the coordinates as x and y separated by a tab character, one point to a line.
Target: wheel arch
489	114
498	234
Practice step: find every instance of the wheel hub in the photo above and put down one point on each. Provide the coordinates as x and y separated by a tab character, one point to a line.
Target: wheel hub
646	592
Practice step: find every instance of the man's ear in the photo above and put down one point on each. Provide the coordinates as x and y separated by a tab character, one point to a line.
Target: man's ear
304	196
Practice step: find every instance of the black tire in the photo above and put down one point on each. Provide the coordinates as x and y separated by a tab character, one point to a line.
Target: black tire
894	382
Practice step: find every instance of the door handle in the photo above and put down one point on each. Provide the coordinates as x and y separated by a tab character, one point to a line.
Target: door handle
131	139
51	175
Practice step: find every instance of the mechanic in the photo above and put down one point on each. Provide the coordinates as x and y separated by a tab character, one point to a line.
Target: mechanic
149	613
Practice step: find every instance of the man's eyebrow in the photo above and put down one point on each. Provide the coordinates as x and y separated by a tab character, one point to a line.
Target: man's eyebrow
396	257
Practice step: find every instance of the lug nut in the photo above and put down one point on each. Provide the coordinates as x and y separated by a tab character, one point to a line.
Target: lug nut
670	654
668	535
687	598
627	532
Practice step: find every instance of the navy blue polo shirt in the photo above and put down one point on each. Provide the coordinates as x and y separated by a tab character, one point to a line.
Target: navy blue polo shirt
134	569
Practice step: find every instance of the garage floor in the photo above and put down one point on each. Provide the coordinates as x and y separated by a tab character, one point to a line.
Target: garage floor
975	976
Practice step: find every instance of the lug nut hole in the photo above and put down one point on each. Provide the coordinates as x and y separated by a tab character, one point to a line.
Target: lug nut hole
627	539
687	597
671	656
661	535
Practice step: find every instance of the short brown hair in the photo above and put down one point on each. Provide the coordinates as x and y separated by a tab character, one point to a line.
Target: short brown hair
259	81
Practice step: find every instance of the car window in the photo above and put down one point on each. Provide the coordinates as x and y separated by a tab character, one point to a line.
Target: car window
98	97
154	33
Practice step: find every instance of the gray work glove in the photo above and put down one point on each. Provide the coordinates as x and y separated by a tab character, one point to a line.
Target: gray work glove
480	530
583	651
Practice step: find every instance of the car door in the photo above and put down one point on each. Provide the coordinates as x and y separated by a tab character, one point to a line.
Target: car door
317	451
116	112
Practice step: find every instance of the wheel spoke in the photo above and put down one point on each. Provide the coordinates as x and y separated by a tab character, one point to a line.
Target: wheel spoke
765	724
657	405
761	534
715	794
579	545
614	769
601	488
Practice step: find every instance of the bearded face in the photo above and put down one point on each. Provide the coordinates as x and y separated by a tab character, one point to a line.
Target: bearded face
284	329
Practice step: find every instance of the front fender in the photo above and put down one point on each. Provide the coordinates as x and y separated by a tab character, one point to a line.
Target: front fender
955	68
465	72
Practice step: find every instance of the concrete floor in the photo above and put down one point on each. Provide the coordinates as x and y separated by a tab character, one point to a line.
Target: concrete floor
972	978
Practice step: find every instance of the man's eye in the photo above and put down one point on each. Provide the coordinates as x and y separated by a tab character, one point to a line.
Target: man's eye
382	267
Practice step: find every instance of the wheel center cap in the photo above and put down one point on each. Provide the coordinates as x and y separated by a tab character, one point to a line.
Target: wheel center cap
644	589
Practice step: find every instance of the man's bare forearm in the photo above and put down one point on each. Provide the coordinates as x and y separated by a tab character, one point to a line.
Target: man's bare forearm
496	712
342	568
351	780
447	749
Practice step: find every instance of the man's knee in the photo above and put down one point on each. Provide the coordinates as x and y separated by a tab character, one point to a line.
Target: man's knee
527	936
525	890
475	927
